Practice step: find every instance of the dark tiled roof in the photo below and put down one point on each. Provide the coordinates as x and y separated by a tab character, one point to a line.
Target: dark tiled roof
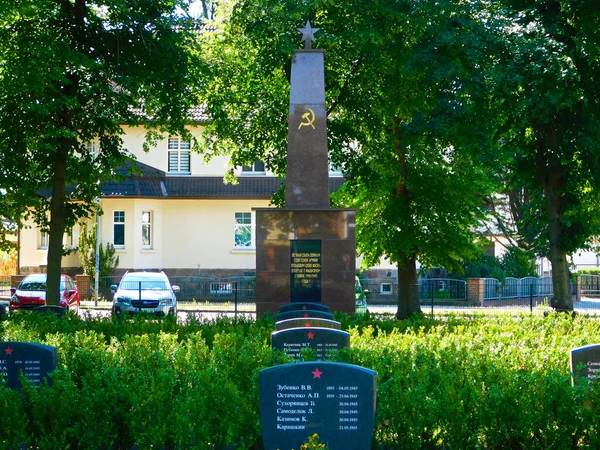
215	187
153	183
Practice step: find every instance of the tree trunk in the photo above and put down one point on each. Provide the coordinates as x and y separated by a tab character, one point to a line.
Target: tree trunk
408	289
561	299
63	147
553	181
57	225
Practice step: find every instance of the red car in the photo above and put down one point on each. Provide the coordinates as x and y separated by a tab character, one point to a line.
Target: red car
31	293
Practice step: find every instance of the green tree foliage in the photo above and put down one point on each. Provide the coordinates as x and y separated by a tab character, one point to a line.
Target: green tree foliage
515	262
518	263
400	84
545	90
71	73
87	252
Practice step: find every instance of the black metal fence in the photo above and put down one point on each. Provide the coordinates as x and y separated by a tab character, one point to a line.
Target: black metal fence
434	294
199	289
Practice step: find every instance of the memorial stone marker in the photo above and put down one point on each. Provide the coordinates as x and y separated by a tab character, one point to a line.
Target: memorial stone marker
304	314
336	401
322	341
306	323
306	251
36	361
585	362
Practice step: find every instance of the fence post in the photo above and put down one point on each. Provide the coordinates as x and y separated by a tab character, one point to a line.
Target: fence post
235	297
431	293
531	297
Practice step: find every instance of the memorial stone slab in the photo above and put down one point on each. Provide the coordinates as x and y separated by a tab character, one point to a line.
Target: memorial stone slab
304	314
36	361
322	341
304	306
307	323
585	362
334	400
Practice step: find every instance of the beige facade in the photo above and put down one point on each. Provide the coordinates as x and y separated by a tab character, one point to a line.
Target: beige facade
186	225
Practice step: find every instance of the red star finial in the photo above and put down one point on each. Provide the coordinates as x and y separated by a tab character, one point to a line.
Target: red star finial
311	335
317	373
305	314
8	350
307	324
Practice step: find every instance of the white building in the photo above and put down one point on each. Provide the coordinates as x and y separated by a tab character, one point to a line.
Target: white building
177	214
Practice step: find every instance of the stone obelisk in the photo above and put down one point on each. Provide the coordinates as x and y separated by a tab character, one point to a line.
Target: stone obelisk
306	251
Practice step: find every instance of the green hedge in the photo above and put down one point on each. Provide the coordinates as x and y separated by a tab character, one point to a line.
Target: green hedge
457	383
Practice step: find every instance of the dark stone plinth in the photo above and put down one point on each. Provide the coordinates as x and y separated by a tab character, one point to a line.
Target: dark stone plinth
304	314
36	361
277	228
322	341
307	323
304	307
59	311
585	362
336	401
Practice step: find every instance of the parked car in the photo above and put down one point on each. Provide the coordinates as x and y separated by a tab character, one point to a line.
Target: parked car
148	292
31	293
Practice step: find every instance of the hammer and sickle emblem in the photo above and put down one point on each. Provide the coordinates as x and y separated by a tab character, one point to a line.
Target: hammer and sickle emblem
308	119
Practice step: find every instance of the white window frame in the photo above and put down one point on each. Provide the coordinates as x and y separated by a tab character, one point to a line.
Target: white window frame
179	149
44	240
383	289
147	224
116	223
243	215
258	167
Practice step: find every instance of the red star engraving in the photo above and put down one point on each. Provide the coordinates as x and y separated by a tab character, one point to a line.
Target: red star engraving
307	324
8	351
305	314
317	373
311	335
304	307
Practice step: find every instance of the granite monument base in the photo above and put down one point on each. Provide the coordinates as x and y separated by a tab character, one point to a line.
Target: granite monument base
305	255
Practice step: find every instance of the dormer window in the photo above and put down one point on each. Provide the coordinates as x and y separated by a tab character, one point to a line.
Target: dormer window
179	156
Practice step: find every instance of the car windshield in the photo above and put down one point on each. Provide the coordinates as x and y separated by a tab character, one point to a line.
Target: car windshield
39	285
144	284
33	286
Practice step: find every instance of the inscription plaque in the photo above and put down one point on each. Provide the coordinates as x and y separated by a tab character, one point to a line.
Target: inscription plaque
305	271
307	323
585	362
36	361
323	341
336	401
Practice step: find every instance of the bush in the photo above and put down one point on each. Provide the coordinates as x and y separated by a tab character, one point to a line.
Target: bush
460	383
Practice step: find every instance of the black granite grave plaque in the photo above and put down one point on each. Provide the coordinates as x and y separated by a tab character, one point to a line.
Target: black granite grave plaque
336	401
304	314
585	362
304	306
306	323
305	271
36	361
322	340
